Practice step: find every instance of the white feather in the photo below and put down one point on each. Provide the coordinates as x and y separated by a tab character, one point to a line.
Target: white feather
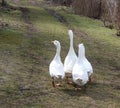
79	73
86	64
71	56
56	68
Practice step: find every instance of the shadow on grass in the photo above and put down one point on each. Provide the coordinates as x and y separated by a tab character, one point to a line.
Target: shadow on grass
73	92
97	91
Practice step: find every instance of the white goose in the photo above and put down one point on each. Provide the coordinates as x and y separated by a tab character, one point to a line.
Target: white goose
56	68
86	64
70	58
79	73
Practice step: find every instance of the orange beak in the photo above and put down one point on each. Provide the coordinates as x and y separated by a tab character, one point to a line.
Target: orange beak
52	42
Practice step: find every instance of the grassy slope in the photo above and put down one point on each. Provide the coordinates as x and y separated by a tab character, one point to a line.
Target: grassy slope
26	52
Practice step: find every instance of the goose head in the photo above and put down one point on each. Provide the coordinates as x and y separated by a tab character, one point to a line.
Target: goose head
56	43
70	32
58	49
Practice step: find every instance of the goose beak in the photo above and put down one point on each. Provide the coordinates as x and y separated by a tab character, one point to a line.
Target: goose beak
52	42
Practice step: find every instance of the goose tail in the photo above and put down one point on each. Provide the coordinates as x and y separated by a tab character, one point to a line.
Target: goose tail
79	81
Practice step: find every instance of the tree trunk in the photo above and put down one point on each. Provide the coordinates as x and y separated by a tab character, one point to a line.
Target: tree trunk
90	8
3	3
118	17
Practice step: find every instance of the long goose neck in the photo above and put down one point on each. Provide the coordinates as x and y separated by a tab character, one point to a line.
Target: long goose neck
57	55
81	53
71	44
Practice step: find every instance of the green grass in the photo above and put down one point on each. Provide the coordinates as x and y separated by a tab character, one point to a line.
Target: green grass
26	51
10	37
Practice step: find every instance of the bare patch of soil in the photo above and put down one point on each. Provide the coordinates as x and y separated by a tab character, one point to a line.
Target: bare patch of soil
59	17
26	17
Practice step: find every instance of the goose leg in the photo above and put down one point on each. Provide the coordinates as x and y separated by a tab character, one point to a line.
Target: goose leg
78	88
67	80
58	85
59	81
53	82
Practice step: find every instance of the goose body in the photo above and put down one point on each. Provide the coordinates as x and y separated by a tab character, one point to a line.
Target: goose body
86	64
56	68
71	56
79	73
